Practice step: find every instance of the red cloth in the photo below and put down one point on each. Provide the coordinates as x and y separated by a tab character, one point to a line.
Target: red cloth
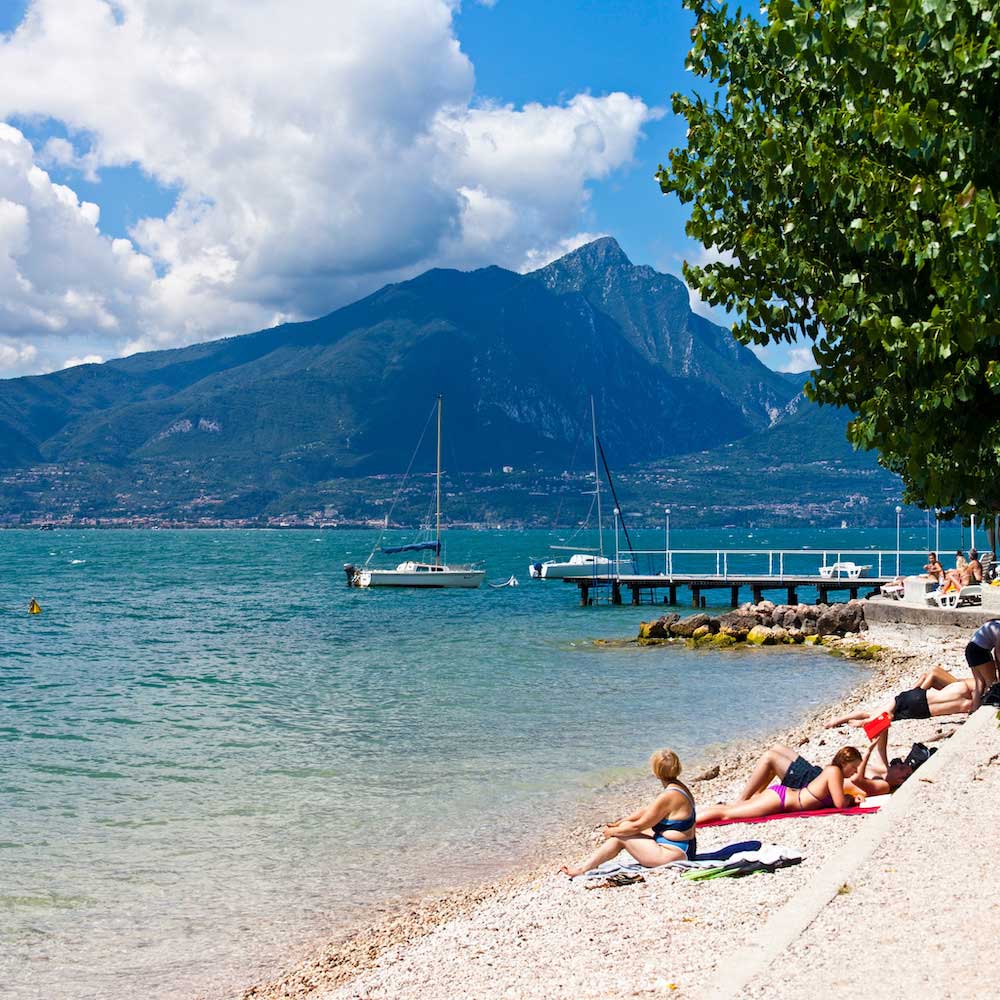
852	811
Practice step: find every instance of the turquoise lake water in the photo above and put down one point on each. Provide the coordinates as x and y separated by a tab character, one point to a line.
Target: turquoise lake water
211	748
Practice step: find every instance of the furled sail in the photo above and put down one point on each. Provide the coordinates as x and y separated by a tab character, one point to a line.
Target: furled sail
413	547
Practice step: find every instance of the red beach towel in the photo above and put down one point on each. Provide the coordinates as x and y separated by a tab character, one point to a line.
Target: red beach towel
851	811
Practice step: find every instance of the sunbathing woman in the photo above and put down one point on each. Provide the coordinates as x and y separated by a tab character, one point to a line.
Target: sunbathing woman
917	703
656	835
783	764
824	792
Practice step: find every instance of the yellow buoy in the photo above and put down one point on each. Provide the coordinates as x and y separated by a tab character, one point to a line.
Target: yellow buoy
34	608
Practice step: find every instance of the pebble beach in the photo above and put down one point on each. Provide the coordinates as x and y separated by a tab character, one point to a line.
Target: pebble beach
537	934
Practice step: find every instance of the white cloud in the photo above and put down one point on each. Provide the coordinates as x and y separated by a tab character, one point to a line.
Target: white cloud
89	359
798	359
319	149
16	355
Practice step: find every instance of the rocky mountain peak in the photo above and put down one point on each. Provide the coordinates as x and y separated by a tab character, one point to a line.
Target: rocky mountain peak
598	255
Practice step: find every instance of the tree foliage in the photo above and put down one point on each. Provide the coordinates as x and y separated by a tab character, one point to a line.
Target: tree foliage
844	166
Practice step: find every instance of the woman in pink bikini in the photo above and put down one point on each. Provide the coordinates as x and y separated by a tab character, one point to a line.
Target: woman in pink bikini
826	791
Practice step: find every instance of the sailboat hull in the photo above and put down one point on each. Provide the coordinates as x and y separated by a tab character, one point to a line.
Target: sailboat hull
422	575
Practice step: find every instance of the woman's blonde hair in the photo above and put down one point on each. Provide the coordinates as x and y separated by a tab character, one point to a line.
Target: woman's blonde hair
666	765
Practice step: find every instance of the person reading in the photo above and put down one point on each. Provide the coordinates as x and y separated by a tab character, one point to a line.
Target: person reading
884	777
826	791
657	834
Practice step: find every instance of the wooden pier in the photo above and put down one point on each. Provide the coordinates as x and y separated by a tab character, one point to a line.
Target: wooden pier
652	586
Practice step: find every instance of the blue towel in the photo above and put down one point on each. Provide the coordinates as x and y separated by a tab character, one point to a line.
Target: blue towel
725	853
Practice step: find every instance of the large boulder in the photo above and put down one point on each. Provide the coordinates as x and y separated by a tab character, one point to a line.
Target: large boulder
839	619
685	628
761	635
737	624
660	629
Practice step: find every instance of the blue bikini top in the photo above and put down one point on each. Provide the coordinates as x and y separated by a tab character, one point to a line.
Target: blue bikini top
677	825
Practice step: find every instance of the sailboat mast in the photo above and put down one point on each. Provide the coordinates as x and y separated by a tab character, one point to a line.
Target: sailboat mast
437	554
597	478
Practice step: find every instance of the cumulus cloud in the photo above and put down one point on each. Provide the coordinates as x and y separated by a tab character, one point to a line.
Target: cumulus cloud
16	355
320	150
89	359
798	359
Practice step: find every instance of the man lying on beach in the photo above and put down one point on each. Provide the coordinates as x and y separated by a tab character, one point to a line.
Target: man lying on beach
917	703
656	835
826	791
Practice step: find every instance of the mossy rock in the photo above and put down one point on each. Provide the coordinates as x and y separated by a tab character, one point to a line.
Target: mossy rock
862	651
651	642
811	640
760	635
700	631
723	641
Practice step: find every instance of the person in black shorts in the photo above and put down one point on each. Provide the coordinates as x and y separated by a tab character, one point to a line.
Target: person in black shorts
982	655
954	699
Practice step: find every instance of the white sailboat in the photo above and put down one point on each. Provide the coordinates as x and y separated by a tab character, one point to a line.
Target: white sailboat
418	574
586	563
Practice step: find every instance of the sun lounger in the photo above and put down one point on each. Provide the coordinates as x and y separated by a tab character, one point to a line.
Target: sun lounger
849	569
973	594
894	591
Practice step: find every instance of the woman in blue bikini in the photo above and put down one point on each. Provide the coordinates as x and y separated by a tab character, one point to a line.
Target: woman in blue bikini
656	835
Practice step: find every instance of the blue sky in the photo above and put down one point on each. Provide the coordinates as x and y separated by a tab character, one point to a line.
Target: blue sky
546	127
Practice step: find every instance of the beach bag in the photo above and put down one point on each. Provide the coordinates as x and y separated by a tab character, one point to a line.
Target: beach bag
919	754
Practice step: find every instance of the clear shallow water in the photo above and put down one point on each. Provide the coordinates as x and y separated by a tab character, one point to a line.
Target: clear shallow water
210	747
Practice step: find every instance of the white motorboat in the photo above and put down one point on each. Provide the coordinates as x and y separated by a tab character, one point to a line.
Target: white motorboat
418	574
580	564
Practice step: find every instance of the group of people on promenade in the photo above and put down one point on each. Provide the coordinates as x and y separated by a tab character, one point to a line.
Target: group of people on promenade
782	781
966	572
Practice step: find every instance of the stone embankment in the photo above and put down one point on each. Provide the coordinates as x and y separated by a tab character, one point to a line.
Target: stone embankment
763	624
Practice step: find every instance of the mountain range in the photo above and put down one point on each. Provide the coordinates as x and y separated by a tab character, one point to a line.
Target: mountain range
515	356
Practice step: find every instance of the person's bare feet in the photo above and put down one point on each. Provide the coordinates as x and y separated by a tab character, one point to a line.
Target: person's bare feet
571	872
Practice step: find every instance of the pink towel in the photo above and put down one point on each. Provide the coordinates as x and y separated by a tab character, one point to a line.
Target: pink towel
852	811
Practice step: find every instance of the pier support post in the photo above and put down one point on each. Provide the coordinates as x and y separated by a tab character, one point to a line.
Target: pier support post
824	595
672	589
635	594
793	598
696	597
757	592
584	595
734	596
616	592
854	593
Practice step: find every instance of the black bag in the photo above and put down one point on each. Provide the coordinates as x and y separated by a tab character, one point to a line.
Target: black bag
992	696
919	754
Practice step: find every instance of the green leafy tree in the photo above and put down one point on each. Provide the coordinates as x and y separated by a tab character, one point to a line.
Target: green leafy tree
843	162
